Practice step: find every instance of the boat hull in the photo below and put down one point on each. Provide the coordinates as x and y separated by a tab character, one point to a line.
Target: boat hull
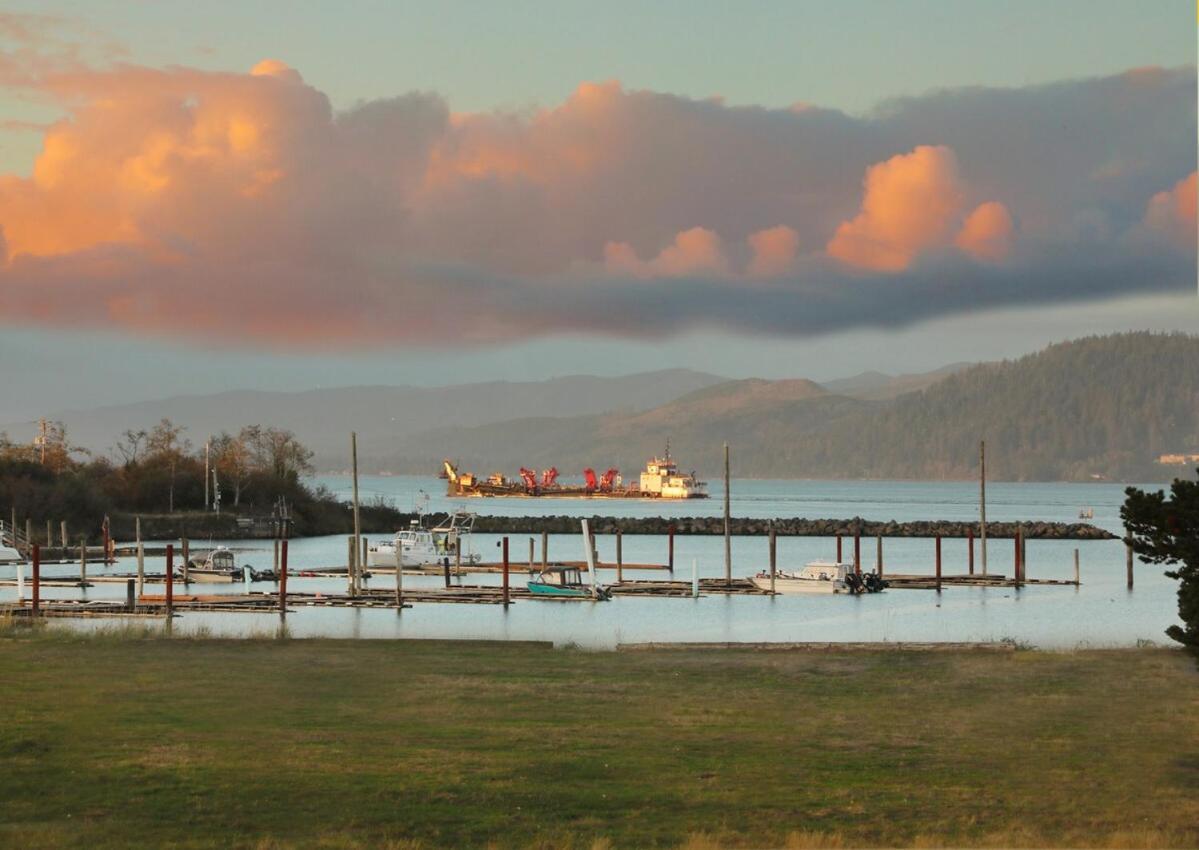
543	589
804	586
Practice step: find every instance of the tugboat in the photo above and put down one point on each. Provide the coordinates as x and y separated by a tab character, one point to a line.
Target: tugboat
663	480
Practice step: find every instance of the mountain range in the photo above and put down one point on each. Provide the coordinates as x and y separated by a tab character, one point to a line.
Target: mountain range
1100	407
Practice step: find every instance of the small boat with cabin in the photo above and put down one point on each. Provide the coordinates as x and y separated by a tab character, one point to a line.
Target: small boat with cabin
559	580
821	577
446	544
220	567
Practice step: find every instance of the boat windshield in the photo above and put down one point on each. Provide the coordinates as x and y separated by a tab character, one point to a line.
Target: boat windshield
222	560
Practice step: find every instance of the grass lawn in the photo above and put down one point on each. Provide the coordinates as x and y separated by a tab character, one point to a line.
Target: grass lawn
119	741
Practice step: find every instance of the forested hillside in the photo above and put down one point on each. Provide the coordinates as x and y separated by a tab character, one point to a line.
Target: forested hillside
1100	406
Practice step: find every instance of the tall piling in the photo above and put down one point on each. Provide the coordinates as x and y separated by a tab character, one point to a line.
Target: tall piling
773	558
185	553
35	555
505	547
1076	581
545	549
532	552
970	550
62	527
670	548
878	560
351	555
283	577
106	543
619	558
838	548
982	502
130	596
49	534
82	561
356	581
857	551
1128	562
170	579
728	539
938	546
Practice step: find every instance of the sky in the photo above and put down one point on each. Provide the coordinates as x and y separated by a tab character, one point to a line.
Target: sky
284	196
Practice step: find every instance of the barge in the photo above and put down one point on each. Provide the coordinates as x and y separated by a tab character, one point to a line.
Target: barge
661	479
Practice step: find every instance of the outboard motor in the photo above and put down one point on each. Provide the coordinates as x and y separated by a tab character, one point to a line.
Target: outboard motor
854	582
874	583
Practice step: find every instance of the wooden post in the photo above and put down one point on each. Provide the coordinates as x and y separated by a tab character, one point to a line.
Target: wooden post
695	578
1023	554
1016	557
938	539
670	548
364	561
532	553
355	585
970	552
545	549
130	598
505	572
351	555
49	534
62	527
186	553
36	556
878	558
1076	582
773	557
982	502
106	541
141	568
82	560
400	575
170	591
838	548
283	577
857	551
21	582
728	540
1128	562
619	558
28	531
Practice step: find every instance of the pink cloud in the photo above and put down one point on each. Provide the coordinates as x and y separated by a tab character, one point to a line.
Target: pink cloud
911	203
987	233
774	251
696	251
1172	213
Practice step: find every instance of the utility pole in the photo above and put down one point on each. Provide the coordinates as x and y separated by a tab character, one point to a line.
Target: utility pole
982	500
357	578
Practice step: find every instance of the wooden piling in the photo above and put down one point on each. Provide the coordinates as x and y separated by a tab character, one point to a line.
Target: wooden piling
532	553
619	558
878	558
1076	581
505	547
938	539
728	539
351	555
838	548
130	598
364	561
185	553
283	577
106	543
1128	562
170	579
695	578
62	527
36	556
83	560
21	582
857	551
982	502
49	534
1023	552
141	568
970	550
773	558
1016	558
400	575
28	531
670	548
545	549
355	582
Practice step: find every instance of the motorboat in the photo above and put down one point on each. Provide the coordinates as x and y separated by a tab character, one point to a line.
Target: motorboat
220	566
820	577
565	581
448	543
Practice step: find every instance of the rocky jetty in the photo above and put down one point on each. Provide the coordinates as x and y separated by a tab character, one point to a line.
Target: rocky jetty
794	527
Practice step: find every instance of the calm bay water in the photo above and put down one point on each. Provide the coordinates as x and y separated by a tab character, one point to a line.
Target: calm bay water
1102	612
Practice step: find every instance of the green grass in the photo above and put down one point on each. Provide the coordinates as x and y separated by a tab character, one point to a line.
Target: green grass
119	741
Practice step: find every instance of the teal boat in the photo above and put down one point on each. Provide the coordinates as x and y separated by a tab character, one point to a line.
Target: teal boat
563	581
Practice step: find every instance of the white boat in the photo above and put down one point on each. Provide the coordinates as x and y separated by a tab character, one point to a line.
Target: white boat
220	567
820	577
446	544
663	480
